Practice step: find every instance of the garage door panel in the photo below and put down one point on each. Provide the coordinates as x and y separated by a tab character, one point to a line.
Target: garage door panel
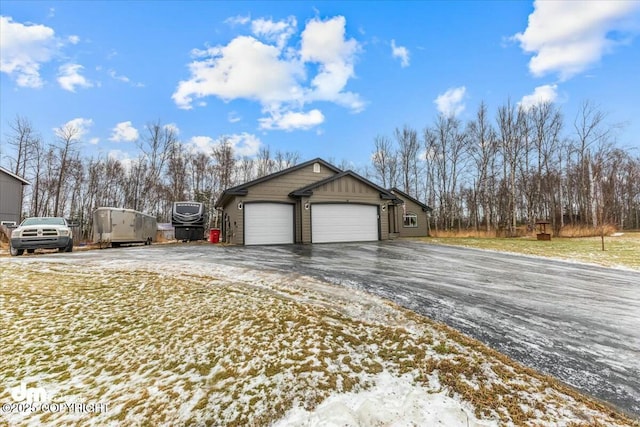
268	223
343	223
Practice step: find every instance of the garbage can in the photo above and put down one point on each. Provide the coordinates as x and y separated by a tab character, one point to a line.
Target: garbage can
214	235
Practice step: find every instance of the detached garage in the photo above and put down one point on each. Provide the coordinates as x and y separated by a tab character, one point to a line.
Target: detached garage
313	202
344	223
268	223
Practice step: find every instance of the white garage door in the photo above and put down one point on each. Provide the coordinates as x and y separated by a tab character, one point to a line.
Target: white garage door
268	223
343	223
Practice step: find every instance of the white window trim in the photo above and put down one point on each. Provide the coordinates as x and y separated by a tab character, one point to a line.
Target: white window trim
409	215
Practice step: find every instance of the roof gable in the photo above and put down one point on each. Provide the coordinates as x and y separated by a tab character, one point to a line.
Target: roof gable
243	189
404	195
308	190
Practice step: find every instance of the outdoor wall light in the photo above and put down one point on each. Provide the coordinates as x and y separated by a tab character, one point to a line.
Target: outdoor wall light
240	206
306	206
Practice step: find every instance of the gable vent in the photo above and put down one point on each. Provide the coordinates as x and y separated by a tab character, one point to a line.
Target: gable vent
316	168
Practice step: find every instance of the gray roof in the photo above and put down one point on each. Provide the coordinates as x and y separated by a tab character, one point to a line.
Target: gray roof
404	195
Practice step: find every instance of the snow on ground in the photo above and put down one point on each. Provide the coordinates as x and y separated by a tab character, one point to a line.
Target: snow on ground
170	344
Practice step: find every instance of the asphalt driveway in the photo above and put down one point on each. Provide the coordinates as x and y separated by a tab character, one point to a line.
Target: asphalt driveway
577	322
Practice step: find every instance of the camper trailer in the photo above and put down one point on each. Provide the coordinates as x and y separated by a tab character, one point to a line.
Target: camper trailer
117	226
188	219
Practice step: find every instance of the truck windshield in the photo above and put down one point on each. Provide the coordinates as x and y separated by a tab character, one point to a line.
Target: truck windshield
43	221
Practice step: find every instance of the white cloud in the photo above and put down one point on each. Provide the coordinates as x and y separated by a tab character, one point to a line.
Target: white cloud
282	78
324	42
245	68
69	77
292	120
73	39
122	78
116	76
233	117
451	103
567	37
540	95
94	141
24	49
124	132
76	128
238	20
243	144
202	144
278	32
400	52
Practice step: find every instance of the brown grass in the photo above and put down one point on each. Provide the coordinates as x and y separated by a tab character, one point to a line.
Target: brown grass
522	231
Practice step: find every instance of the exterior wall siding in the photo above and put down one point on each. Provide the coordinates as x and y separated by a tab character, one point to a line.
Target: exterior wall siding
274	190
411	207
233	223
345	190
10	198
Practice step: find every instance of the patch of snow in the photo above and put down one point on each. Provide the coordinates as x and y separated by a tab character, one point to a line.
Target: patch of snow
392	401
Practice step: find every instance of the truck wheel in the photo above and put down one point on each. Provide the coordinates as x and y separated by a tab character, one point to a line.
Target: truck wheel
69	247
15	252
30	251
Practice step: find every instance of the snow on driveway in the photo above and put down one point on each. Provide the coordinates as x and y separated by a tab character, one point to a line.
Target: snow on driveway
191	341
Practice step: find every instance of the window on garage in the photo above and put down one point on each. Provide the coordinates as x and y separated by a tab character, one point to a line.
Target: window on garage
410	220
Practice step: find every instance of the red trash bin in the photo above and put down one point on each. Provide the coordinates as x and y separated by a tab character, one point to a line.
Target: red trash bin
214	235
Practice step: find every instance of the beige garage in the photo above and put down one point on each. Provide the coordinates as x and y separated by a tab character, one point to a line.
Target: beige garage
313	202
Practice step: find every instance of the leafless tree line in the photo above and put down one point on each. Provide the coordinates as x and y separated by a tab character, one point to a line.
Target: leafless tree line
522	166
64	183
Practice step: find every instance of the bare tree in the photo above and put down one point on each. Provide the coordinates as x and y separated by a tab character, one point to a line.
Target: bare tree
407	155
284	160
155	148
264	162
591	131
22	139
511	127
483	150
446	146
385	161
68	137
223	164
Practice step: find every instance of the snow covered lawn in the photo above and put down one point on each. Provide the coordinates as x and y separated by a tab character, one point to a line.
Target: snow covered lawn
171	345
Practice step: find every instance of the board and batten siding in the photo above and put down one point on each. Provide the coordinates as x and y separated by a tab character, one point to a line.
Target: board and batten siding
345	190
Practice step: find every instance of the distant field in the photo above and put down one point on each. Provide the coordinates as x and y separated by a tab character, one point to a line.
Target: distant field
620	250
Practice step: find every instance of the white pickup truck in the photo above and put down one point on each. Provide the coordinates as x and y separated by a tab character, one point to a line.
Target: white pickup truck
41	233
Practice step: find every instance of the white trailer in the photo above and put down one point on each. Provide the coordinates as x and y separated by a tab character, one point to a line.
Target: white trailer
118	226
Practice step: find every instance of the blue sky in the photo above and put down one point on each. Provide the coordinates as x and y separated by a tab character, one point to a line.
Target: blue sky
319	78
